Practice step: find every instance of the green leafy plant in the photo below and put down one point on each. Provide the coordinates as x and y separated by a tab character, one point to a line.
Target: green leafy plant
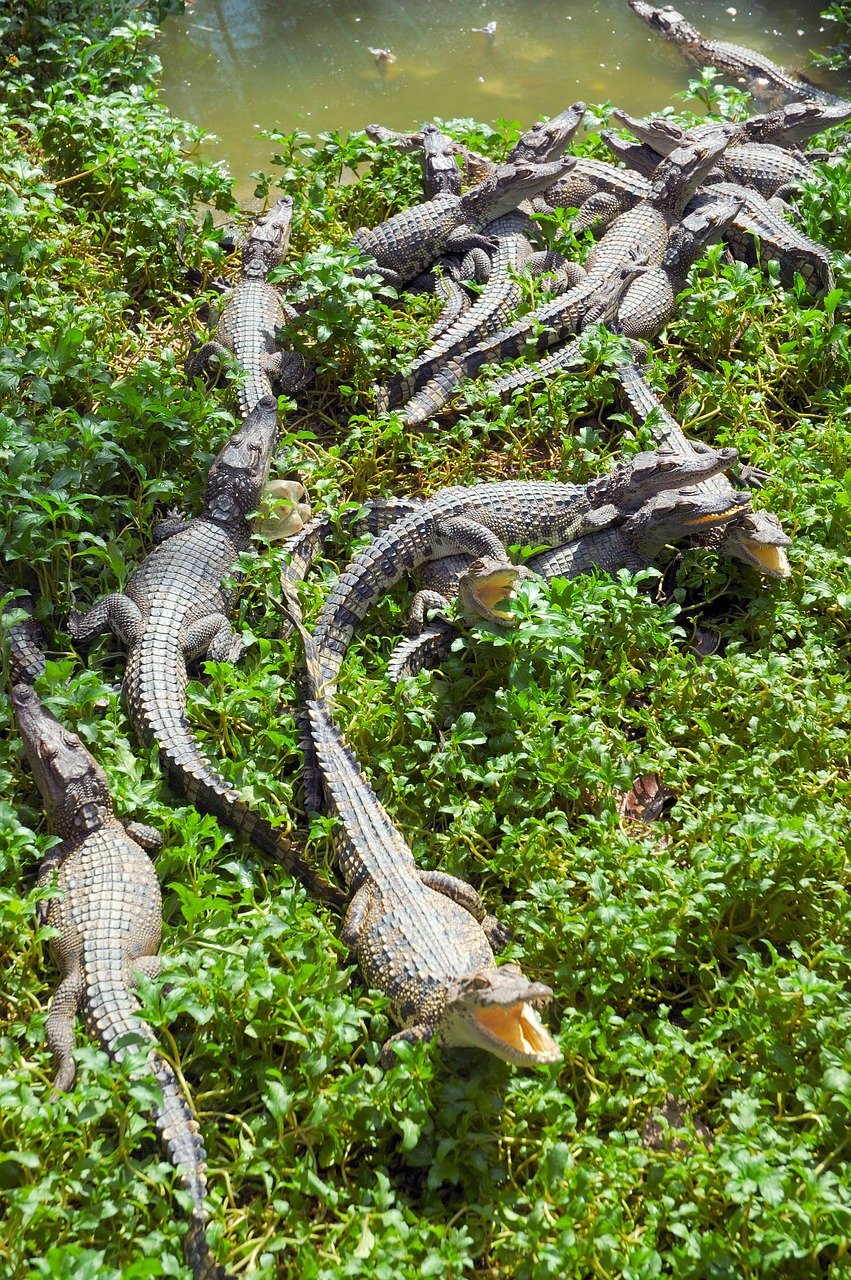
703	956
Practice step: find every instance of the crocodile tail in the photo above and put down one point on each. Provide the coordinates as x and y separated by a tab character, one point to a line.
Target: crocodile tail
190	773
312	682
112	1013
184	1146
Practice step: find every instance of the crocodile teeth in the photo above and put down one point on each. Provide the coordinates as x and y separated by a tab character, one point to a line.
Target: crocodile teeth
520	1029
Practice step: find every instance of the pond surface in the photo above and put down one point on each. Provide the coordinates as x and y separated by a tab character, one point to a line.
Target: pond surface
236	66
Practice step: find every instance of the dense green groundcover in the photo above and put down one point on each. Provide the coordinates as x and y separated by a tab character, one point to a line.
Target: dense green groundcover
705	956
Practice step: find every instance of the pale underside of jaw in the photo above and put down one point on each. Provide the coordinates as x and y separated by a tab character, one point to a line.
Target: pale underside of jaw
520	1030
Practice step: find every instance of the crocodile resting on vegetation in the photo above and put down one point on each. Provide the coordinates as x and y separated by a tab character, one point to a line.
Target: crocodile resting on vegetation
666	517
108	917
424	938
174	608
484	520
248	326
411	242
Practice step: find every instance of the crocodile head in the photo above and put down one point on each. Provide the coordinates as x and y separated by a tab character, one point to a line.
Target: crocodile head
663	135
509	184
495	1009
680	173
699	229
644	475
671	516
73	786
236	478
797	122
487	585
667	21
267	245
759	540
547	139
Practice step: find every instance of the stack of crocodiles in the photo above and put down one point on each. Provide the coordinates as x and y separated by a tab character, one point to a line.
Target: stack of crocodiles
425	938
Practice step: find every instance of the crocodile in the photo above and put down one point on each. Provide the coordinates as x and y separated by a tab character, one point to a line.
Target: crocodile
424	938
174	608
667	517
484	520
441	171
544	141
108	921
460	325
764	167
247	328
757	222
765	80
635	544
788	127
544	327
411	241
757	538
649	301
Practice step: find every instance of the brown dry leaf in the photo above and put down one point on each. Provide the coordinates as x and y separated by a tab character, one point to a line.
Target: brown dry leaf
657	1136
646	800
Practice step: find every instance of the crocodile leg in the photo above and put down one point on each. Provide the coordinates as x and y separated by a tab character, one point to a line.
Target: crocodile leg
462	241
469	535
60	1031
422	601
212	635
356	913
148	837
201	363
411	1035
147	966
115	612
466	896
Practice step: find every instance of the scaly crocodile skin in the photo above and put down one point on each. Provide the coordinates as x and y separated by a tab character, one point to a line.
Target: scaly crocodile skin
413	240
423	938
252	316
109	920
764	79
174	608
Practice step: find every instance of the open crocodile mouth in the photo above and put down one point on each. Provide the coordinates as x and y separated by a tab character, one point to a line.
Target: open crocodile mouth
497	589
519	1029
771	559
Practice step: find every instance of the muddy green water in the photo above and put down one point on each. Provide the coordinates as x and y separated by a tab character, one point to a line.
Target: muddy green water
237	66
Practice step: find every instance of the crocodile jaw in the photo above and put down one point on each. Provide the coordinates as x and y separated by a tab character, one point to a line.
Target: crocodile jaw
770	559
493	1009
487	585
516	1034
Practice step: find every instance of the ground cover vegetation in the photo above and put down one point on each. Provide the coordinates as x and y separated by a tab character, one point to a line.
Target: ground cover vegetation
705	956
